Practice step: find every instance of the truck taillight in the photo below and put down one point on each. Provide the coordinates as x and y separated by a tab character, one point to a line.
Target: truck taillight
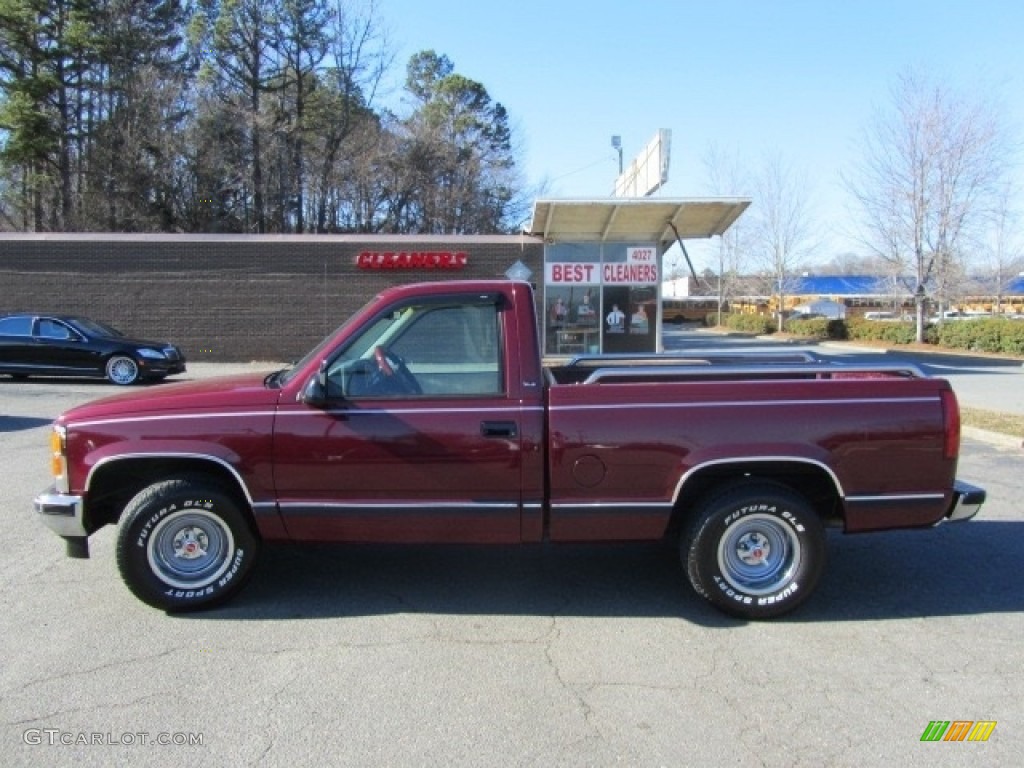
58	458
950	424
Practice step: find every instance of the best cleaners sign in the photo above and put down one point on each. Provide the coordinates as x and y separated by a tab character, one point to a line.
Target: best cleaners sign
640	268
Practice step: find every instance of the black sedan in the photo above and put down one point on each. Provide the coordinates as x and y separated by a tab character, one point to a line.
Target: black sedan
61	345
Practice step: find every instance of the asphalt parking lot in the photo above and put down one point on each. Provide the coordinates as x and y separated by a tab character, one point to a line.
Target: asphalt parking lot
460	656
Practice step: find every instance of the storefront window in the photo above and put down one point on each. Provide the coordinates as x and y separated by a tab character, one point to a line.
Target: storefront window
572	281
600	298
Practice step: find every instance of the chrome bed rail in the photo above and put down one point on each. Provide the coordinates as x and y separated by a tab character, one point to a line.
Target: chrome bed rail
709	370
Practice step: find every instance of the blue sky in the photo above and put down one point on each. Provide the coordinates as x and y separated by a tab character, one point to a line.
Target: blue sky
796	78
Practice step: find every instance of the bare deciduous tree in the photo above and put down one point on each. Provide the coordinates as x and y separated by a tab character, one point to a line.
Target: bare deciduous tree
1003	252
727	176
351	145
782	230
931	163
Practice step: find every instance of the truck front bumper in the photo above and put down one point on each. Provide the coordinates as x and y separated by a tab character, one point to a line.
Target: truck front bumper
967	500
63	514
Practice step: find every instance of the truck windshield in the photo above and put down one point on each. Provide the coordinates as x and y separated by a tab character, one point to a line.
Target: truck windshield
284	376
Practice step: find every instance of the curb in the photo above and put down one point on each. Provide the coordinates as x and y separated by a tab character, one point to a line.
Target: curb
853	347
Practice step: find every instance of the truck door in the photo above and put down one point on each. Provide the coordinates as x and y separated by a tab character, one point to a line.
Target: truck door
418	440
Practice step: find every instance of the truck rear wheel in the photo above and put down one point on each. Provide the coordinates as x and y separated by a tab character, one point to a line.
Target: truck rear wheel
185	544
755	551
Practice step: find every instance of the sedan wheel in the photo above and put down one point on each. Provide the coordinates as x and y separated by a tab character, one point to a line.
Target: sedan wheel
122	370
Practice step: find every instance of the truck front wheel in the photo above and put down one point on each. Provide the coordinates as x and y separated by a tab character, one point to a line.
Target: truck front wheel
755	551
185	544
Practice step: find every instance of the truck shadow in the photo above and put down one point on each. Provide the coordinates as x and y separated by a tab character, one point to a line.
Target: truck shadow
958	569
953	570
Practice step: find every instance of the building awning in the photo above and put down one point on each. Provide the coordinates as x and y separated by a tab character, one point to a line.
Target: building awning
636	219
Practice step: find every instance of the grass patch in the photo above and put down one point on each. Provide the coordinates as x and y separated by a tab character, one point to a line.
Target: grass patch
993	421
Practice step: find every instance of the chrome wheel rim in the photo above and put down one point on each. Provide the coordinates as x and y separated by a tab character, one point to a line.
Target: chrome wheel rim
759	554
122	370
190	549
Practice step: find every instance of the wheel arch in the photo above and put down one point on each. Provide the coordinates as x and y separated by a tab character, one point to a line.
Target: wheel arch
113	482
813	480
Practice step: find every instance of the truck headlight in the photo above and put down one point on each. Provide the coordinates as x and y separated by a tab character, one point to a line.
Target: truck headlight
59	458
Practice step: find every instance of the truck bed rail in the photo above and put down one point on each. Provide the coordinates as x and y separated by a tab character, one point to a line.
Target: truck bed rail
692	358
708	370
724	365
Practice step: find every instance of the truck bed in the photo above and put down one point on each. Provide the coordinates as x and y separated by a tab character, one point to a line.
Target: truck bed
630	434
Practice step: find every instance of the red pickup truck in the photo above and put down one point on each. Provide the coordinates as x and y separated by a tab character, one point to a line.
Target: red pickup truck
430	417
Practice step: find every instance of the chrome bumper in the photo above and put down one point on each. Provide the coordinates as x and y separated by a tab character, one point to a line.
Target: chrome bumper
967	500
63	514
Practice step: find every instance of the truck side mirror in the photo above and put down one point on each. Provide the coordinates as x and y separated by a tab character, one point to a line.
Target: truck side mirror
315	391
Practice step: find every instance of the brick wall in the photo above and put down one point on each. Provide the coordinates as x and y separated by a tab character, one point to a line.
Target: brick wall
227	298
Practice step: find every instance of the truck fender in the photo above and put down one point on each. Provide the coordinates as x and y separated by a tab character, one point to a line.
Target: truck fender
263	509
765	460
812	478
221	461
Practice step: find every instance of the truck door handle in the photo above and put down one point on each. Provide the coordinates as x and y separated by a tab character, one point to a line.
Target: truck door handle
498	428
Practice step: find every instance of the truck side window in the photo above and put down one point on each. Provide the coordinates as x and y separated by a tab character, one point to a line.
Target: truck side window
436	350
453	350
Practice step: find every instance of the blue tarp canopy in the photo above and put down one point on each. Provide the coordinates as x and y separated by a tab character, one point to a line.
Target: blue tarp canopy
846	285
869	285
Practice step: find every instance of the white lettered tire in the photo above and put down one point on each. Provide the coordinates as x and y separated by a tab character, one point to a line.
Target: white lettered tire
185	544
755	551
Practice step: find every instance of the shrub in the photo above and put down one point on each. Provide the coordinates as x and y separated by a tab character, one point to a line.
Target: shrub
758	324
814	327
992	334
837	330
995	335
881	330
1011	341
